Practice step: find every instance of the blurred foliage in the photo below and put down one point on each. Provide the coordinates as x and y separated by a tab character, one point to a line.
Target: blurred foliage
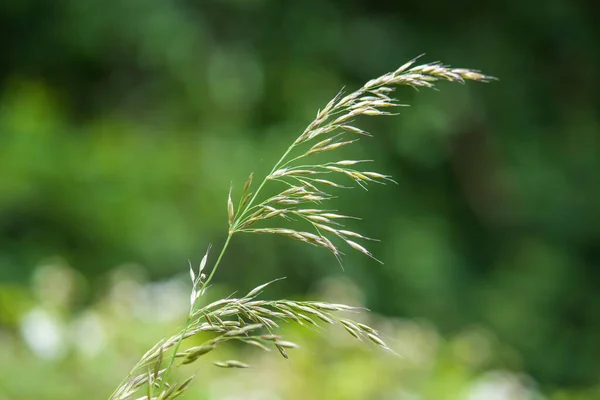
122	125
81	354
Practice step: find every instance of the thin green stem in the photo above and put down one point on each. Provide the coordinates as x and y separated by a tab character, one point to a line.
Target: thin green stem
247	208
190	315
172	359
218	260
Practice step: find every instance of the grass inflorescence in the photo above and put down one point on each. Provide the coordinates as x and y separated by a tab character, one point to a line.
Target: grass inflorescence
305	185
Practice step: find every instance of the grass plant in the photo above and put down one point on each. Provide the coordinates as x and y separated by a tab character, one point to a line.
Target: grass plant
297	210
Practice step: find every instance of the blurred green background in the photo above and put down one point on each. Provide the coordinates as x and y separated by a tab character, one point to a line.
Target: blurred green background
123	123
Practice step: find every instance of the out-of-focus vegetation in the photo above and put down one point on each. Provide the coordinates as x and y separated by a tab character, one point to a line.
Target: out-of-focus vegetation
122	124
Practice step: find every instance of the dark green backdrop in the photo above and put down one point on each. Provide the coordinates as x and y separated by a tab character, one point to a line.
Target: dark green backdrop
122	124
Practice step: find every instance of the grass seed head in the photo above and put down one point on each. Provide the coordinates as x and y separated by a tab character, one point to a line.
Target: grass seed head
334	128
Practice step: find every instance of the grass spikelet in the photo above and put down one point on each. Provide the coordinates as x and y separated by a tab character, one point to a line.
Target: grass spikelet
231	364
